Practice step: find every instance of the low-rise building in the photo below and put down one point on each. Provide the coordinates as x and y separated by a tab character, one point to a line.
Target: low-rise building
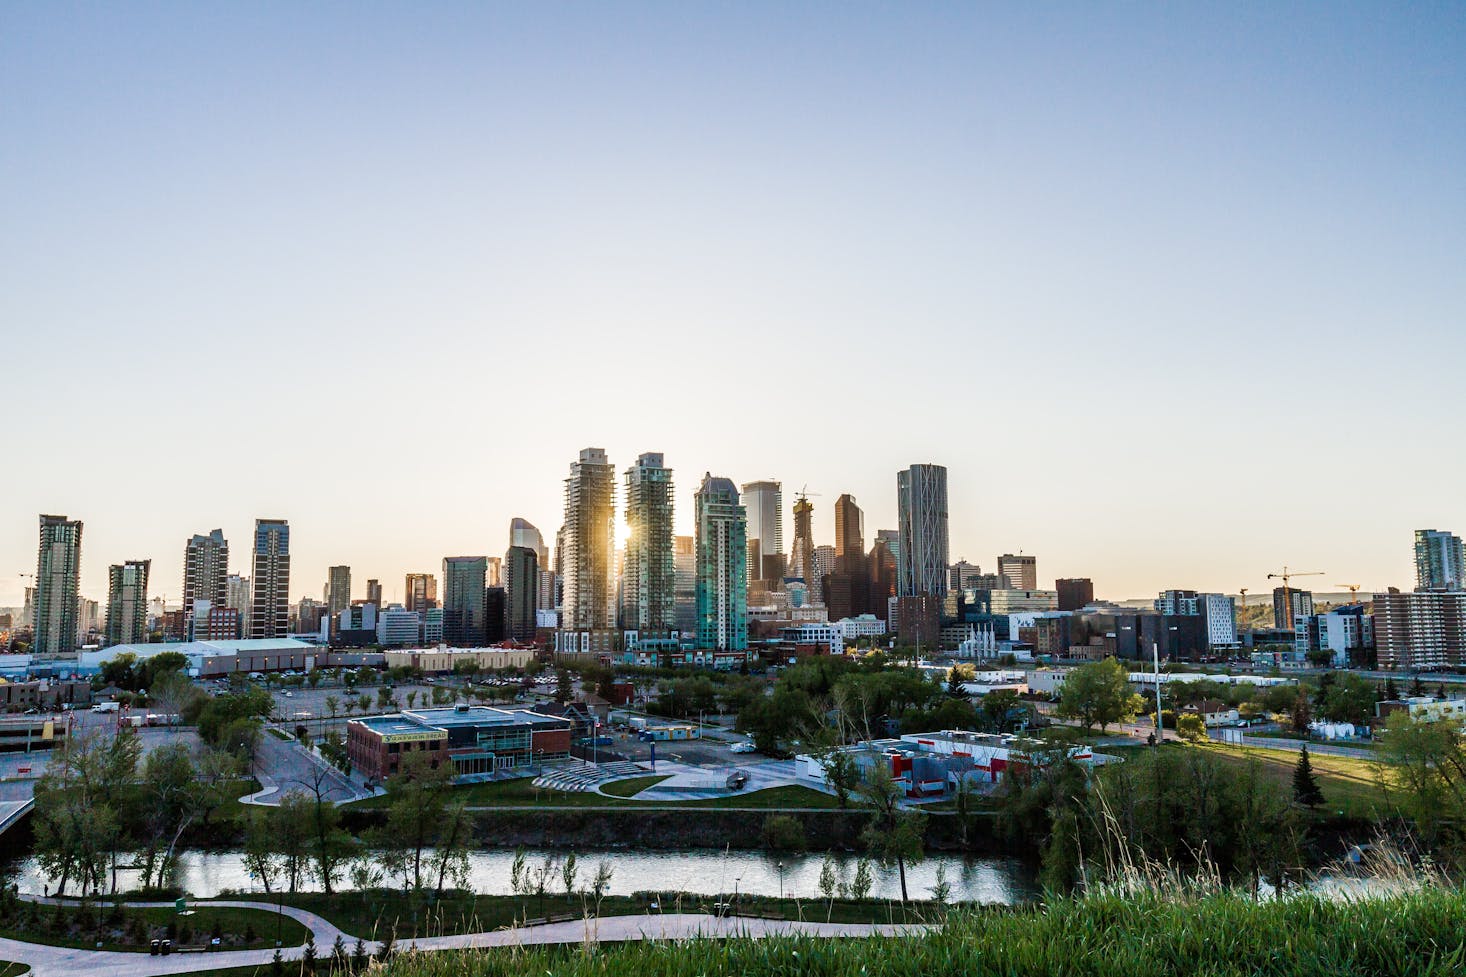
22	734
1212	712
481	742
1424	707
444	659
861	626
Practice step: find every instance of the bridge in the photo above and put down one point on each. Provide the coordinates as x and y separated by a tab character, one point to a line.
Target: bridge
12	811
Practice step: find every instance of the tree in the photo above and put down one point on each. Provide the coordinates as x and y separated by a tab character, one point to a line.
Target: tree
333	705
1302	713
942	890
955	688
1425	769
861	883
417	793
1350	699
564	689
894	833
996	708
1191	727
1305	785
1098	693
568	870
1392	691
601	883
262	857
172	798
842	773
829	883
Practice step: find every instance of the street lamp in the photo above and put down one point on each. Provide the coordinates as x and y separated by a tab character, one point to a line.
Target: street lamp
781	880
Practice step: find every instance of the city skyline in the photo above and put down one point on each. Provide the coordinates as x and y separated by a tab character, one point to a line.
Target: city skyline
1165	232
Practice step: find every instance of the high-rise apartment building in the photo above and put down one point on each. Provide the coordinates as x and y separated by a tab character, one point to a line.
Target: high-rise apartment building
722	566
463	600
921	507
1423	630
521	572
764	502
374	591
237	596
1438	561
127	602
649	578
58	567
1074	592
420	592
1021	571
589	572
801	557
269	613
205	571
684	590
824	564
338	590
961	574
523	533
1290	603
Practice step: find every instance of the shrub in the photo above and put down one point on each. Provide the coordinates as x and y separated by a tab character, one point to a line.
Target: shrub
782	832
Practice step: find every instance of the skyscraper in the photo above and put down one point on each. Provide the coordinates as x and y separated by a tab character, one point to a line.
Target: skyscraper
205	571
684	593
722	566
801	558
882	575
765	504
1290	603
463	600
127	602
521	572
523	533
269	615
589	584
1438	561
848	591
1074	592
496	572
649	579
1021	571
237	597
374	592
338	591
420	592
921	507
58	567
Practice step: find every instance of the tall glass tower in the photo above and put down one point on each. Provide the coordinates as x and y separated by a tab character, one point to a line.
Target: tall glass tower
649	578
722	566
58	567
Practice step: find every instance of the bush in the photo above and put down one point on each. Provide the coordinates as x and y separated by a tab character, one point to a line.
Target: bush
1191	727
784	833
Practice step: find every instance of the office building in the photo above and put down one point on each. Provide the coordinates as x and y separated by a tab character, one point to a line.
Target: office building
127	602
338	590
432	626
921	507
824	564
237	596
463	600
496	615
892	539
476	742
495	574
374	591
1218	614
801	555
684	593
722	566
269	613
398	627
847	586
960	575
764	502
210	623
523	533
420	592
1290	603
1074	592
882	576
58	567
206	571
1021	571
1438	561
310	614
589	559
88	619
1422	631
521	571
649	578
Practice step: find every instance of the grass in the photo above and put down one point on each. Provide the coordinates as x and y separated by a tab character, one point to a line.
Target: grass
631	786
1105	935
523	793
10	969
234	925
371	915
279	733
1349	784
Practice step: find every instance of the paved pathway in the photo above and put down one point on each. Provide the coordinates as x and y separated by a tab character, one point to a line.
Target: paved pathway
52	961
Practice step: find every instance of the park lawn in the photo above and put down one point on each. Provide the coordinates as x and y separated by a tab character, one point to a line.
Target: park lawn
631	786
11	969
372	915
1349	785
231	922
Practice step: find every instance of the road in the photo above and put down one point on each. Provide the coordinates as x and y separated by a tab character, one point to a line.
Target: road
50	961
282	767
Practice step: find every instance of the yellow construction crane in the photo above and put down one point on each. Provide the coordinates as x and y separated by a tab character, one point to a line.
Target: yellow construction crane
1287	576
1353	589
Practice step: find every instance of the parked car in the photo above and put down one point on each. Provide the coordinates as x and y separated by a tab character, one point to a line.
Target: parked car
744	747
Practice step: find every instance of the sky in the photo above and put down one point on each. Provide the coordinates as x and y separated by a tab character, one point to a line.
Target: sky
1175	291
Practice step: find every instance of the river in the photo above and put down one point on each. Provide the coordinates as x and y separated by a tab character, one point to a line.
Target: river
983	880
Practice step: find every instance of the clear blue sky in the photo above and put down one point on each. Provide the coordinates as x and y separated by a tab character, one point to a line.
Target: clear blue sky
1176	291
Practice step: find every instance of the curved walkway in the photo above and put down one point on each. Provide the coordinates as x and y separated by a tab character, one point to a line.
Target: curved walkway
56	961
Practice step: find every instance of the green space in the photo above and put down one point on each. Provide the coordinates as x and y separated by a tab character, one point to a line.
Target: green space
1104	935
279	733
1349	785
10	969
631	786
84	927
523	793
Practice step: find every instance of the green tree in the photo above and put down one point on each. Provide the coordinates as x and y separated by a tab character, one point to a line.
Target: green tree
418	799
1098	693
997	706
1425	769
894	834
1305	785
1191	727
1302	713
1350	699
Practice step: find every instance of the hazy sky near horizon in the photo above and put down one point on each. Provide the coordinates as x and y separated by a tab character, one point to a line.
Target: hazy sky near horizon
1175	291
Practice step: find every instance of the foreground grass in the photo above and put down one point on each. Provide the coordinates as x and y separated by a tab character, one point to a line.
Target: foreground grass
523	793
631	786
1226	935
1349	785
9	969
240	929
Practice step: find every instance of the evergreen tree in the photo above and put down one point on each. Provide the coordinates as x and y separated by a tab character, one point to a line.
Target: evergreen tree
340	962
1302	713
388	947
1392	691
308	958
1416	688
1305	785
277	965
954	686
358	957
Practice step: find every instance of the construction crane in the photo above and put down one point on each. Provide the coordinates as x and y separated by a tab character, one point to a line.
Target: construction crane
1287	576
804	492
1353	589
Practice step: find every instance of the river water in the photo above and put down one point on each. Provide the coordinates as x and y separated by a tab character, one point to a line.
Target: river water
983	880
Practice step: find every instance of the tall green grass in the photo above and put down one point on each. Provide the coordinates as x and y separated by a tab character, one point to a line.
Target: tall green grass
1108	933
